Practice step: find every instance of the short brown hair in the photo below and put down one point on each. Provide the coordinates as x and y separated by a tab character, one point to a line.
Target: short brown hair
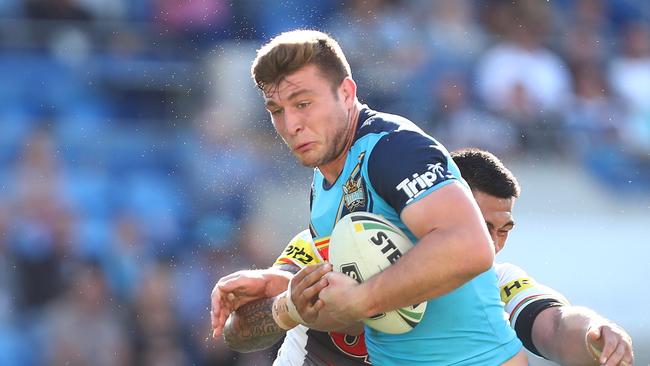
290	51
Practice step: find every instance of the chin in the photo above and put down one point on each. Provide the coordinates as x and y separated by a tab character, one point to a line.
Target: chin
313	159
307	161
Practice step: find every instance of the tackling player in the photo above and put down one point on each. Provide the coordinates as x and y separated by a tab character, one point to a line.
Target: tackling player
544	320
370	161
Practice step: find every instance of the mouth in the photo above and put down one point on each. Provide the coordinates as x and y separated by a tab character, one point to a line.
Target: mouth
303	147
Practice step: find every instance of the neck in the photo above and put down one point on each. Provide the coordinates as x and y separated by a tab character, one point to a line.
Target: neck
332	169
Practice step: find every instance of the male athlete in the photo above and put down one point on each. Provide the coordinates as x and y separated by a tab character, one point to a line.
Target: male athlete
545	322
369	161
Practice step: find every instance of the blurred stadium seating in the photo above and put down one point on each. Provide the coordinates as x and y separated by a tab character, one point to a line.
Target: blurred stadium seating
137	165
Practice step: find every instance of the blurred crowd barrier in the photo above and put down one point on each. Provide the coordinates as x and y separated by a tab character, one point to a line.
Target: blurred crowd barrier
137	164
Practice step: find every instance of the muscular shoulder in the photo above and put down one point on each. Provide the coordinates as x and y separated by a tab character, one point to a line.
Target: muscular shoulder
406	164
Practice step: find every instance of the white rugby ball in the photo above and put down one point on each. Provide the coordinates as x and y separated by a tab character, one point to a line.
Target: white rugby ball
363	244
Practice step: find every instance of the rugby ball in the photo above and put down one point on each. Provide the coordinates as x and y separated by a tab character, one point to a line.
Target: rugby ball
363	244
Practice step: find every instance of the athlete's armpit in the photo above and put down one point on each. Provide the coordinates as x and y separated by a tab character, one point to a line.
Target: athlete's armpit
252	328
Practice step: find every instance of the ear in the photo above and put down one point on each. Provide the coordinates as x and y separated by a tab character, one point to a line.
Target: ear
348	91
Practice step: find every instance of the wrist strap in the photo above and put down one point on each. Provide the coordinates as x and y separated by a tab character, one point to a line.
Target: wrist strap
280	312
293	312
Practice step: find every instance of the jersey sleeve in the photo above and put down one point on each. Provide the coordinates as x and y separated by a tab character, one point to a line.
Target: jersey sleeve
300	251
406	165
524	299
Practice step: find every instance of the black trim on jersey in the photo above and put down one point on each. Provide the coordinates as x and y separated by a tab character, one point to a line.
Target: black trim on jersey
526	318
311	195
371	121
312	229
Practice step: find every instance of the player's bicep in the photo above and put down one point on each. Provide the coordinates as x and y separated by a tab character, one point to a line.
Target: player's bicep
427	215
544	327
537	323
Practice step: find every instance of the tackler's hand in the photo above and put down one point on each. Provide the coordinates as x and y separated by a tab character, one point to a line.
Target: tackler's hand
304	289
339	298
611	345
239	288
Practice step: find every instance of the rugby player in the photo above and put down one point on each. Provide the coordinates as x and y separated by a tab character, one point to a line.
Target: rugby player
545	322
375	162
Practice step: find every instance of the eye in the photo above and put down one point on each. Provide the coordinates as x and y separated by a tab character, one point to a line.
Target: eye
303	105
503	232
277	112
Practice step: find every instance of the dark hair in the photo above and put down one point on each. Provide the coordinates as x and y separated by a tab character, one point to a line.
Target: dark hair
292	50
485	173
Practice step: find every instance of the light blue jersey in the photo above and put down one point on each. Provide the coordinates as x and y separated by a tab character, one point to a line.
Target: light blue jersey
390	165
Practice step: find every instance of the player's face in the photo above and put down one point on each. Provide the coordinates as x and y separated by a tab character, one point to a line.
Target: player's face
497	213
311	118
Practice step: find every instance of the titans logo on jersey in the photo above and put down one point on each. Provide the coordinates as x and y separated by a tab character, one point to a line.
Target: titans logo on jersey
354	197
354	192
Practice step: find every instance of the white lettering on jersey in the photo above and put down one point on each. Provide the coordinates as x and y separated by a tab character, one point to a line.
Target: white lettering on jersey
417	185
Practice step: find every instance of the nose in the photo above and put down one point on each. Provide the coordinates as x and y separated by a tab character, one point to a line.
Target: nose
292	123
498	245
495	240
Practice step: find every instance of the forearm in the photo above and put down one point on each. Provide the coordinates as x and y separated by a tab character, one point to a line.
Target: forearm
442	261
453	247
565	342
252	328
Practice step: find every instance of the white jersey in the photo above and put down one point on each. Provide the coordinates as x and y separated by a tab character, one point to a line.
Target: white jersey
294	348
518	290
302	346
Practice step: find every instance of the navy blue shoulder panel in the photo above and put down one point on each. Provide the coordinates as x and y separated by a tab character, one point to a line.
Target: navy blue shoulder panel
406	165
377	122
